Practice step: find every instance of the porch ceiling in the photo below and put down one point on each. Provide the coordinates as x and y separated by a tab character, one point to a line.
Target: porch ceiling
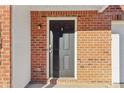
63	7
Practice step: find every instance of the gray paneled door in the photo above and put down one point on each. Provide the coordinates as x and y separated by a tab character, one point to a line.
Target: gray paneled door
66	55
61	48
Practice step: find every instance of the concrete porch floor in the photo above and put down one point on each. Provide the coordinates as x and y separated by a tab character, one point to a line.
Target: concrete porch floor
32	85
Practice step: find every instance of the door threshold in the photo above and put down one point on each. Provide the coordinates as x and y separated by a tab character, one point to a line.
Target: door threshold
63	78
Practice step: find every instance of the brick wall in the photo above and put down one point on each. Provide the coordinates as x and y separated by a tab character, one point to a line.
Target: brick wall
38	49
94	44
94	56
5	49
93	38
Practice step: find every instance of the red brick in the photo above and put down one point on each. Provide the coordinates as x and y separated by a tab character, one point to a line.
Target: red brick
5	51
94	35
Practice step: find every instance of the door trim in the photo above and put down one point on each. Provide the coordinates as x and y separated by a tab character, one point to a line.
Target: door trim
115	60
75	44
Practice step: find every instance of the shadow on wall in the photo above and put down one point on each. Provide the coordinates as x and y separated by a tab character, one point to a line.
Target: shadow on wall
121	58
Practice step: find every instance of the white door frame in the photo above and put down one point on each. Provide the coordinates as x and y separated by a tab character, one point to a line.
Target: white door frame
115	59
75	61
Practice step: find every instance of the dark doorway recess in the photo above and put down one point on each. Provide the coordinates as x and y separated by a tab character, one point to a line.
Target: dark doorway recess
57	30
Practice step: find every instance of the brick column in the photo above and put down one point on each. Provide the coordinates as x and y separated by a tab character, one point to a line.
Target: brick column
38	48
5	80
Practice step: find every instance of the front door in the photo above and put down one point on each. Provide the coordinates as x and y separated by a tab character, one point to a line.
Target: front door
62	48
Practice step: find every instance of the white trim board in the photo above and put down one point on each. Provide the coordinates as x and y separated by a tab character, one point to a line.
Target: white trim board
65	7
62	18
117	22
115	59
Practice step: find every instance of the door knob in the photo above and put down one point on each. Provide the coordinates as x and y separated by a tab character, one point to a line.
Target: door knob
50	51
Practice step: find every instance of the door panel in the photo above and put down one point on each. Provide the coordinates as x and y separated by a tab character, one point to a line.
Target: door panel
67	55
66	62
66	41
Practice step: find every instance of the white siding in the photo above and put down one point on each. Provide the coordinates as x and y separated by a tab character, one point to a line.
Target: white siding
115	59
118	28
21	60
